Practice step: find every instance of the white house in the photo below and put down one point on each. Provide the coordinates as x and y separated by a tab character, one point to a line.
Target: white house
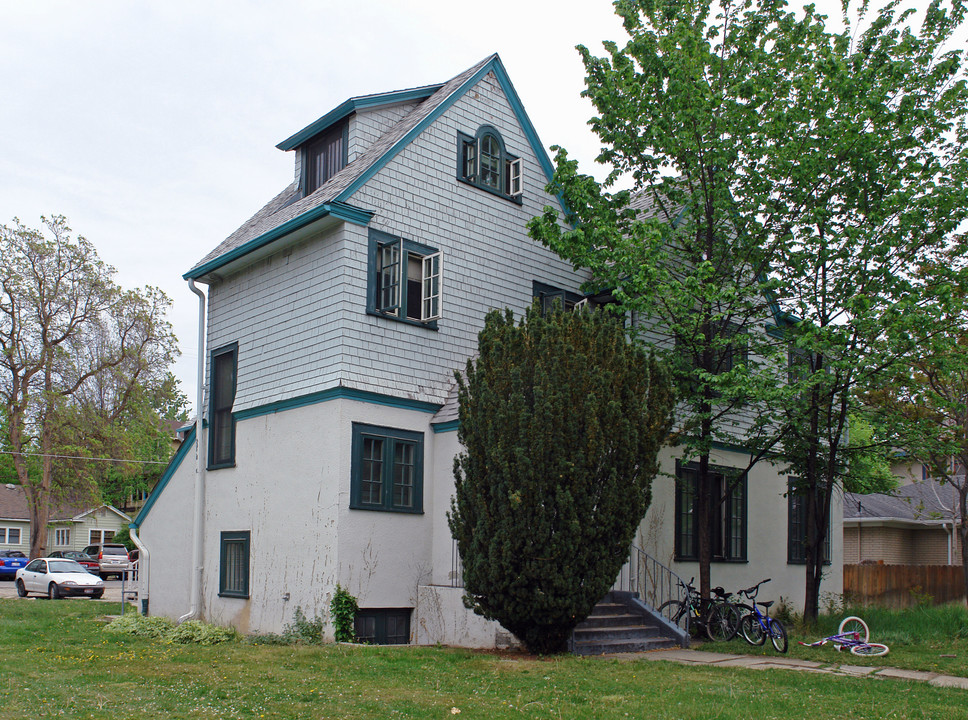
336	317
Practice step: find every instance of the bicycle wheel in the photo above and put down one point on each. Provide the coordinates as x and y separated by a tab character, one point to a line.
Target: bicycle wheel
870	650
722	622
778	634
854	624
751	630
674	612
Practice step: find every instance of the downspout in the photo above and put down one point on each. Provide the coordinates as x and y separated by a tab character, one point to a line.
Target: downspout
951	543
199	523
143	567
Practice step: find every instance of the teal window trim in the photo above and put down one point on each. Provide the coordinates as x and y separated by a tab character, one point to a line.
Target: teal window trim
319	145
233	568
383	626
548	294
386	469
797	528
730	530
406	292
221	398
501	176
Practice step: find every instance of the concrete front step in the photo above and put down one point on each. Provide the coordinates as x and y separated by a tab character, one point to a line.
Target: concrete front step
616	625
618	633
597	621
622	646
609	608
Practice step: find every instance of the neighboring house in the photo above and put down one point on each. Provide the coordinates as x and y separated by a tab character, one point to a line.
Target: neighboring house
917	525
336	318
72	526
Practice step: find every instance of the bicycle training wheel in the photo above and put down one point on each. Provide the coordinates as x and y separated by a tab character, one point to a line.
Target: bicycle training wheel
854	624
752	631
722	622
778	635
870	650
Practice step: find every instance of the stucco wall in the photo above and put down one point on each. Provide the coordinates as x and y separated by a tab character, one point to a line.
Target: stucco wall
767	521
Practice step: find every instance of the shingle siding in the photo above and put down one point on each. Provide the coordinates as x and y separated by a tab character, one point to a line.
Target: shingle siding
366	127
300	316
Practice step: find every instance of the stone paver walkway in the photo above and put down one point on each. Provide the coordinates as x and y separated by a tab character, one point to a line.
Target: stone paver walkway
763	662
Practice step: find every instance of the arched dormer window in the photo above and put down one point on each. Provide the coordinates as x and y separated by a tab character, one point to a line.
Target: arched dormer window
484	162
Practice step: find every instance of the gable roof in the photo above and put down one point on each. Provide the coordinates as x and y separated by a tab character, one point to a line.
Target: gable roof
920	503
13	506
289	215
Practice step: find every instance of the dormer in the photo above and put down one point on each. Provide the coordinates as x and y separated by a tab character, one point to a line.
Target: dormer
335	140
321	157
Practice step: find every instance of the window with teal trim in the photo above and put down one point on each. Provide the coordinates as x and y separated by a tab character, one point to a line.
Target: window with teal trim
548	295
386	469
323	157
233	569
728	524
383	626
797	527
221	420
405	279
483	161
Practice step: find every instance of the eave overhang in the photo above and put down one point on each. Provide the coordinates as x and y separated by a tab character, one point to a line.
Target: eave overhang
891	522
310	222
366	102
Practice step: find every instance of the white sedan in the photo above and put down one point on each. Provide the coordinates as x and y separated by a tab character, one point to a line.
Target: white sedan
57	578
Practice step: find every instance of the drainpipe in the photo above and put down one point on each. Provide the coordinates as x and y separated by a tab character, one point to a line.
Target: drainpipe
199	523
143	563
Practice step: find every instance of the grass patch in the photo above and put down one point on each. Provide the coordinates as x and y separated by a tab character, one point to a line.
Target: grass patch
57	660
931	638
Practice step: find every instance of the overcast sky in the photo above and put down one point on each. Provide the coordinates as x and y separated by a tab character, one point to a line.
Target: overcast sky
152	126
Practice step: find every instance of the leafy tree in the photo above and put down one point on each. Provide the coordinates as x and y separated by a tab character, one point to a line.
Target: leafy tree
929	411
869	177
674	250
132	427
773	160
869	470
64	325
561	420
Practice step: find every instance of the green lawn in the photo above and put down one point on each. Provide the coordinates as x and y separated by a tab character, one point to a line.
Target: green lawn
57	661
932	638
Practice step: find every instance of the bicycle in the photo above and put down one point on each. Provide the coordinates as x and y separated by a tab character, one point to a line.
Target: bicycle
722	618
717	618
854	635
756	626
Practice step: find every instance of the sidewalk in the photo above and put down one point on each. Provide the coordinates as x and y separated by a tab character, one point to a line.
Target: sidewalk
767	662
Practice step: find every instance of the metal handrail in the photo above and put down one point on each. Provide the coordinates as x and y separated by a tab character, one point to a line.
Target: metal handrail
456	567
654	583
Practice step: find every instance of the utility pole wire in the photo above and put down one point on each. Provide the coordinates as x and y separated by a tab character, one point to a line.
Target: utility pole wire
78	457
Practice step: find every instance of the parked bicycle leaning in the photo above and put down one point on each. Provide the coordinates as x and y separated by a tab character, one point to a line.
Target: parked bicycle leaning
756	626
717	618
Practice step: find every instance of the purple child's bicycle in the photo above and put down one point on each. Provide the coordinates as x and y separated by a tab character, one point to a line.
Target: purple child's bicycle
853	634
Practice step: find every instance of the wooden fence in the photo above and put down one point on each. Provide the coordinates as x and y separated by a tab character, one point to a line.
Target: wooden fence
900	586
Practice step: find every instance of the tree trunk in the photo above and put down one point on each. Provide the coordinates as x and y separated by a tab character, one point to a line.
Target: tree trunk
963	531
704	525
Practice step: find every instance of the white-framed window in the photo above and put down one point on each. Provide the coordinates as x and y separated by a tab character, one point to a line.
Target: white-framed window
483	161
62	537
10	536
406	279
100	536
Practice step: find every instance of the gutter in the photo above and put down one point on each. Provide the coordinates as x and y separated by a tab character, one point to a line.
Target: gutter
199	521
